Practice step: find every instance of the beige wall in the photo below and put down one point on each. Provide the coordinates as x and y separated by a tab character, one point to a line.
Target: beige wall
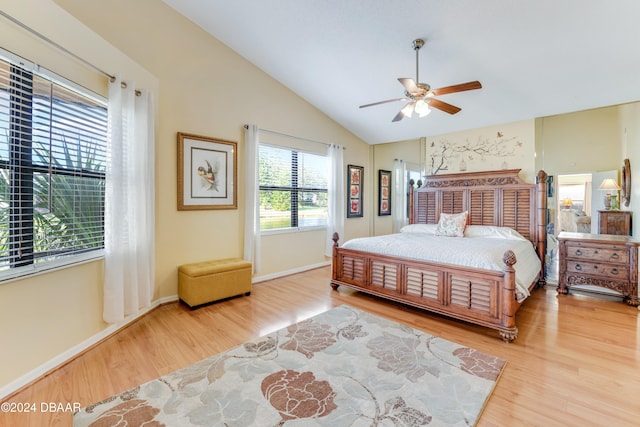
383	157
585	141
201	87
630	129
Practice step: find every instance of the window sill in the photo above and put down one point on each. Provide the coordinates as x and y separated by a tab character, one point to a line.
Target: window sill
10	275
291	230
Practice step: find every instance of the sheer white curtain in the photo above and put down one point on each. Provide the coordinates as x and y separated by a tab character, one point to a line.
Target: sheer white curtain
336	196
399	200
129	203
252	197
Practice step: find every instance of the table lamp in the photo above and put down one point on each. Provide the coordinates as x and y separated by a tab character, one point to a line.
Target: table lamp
609	184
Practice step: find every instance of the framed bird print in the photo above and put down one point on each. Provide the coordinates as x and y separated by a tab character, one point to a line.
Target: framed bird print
207	172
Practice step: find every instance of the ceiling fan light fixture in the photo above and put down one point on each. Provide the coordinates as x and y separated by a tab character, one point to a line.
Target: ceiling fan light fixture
408	109
422	108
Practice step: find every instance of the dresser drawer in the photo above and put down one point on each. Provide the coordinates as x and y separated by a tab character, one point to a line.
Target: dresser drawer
612	271
612	254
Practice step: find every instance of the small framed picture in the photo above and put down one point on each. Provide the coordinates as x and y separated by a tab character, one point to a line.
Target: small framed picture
355	178
207	171
384	192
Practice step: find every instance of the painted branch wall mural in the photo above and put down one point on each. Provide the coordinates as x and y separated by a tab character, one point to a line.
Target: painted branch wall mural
509	146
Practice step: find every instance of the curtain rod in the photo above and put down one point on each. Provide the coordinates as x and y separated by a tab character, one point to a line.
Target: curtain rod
51	42
294	137
41	36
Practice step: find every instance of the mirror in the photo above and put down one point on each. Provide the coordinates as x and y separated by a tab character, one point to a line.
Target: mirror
625	187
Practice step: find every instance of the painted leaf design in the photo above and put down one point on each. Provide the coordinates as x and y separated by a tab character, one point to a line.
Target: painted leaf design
308	338
400	356
132	412
298	395
479	364
262	346
352	332
397	408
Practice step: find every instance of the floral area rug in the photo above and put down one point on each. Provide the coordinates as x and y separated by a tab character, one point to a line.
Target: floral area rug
344	367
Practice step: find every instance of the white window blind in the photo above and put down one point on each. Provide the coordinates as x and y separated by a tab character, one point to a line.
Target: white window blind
293	188
52	168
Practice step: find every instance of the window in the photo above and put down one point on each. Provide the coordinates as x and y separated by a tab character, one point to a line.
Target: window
293	188
52	168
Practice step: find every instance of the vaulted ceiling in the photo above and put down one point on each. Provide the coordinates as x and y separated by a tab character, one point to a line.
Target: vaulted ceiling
534	58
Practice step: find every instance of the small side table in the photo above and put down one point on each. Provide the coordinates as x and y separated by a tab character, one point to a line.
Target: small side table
615	222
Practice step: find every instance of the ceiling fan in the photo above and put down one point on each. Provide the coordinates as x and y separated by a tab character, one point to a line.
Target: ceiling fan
421	96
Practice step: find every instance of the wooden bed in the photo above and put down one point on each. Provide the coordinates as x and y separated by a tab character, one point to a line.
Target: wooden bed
478	296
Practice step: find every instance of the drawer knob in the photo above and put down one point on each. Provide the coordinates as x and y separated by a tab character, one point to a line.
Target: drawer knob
578	252
615	256
578	267
614	271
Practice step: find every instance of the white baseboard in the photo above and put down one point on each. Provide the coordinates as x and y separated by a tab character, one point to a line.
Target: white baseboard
258	279
74	351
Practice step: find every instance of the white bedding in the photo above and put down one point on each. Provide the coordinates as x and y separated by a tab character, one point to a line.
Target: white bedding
481	247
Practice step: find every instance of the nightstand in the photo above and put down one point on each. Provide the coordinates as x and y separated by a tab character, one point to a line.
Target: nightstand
600	260
615	222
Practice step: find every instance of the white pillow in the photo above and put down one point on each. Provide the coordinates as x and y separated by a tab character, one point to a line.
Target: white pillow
492	231
419	228
452	225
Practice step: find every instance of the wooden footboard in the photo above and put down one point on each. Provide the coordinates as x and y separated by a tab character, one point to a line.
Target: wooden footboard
482	297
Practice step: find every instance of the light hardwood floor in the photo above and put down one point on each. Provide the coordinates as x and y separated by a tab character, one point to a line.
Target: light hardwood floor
576	361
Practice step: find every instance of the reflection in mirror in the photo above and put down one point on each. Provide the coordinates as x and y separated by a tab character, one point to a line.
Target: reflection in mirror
574	203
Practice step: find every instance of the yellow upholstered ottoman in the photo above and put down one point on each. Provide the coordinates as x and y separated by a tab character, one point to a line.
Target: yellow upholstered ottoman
203	282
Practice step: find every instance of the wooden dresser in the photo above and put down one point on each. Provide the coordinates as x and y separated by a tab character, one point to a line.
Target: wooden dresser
600	260
615	222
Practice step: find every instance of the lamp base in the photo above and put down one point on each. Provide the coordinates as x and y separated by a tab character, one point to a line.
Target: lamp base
607	202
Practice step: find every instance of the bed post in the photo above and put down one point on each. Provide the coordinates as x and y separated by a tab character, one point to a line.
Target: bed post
509	303
334	260
412	192
541	224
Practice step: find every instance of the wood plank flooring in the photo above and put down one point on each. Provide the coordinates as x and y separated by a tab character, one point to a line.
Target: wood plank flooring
576	361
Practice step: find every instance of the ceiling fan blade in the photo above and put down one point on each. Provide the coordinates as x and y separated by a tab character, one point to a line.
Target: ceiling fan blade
398	117
457	88
409	85
447	108
383	102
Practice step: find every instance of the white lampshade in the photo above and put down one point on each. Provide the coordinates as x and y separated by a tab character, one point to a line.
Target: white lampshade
609	184
408	109
422	108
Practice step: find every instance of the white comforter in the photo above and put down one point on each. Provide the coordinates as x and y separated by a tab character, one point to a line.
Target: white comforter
482	247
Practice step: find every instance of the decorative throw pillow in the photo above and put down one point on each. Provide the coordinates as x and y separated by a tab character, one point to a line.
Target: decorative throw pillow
452	224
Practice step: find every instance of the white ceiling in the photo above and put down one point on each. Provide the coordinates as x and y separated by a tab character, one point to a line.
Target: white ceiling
534	58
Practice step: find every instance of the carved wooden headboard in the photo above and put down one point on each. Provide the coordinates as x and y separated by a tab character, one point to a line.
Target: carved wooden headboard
499	198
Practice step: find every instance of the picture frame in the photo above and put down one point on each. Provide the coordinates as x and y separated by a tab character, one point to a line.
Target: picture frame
384	192
207	173
355	180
